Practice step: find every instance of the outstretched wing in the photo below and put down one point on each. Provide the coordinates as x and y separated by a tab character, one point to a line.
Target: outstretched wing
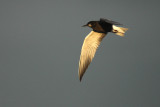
110	21
90	45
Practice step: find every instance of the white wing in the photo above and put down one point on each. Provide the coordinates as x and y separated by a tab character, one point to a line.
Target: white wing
90	45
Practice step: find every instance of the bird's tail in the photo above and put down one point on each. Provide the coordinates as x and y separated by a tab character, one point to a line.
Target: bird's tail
119	30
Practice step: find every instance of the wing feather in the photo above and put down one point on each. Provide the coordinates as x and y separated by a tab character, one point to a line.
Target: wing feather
89	47
110	21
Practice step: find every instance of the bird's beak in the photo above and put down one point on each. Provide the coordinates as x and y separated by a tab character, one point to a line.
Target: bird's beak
84	25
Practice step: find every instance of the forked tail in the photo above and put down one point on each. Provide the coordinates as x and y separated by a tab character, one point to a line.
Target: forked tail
119	30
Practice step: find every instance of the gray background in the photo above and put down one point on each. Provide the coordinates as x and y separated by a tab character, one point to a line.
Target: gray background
40	43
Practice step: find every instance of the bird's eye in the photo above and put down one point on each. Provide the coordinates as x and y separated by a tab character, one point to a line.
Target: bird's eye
89	25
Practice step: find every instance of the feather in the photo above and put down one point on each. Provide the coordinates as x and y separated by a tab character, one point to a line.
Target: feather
89	47
109	21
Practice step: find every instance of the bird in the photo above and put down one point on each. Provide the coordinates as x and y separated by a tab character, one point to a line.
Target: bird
93	39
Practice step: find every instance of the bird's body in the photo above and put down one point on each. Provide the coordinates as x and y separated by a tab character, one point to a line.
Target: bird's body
93	40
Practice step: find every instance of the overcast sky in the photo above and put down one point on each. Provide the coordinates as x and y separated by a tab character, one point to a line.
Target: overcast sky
40	44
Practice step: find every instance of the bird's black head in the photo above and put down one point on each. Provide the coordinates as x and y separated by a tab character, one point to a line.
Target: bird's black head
91	24
95	26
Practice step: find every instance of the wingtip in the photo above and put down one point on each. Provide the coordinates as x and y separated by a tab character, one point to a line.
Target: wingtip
80	78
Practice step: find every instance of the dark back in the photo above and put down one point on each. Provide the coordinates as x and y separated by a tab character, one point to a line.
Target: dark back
107	27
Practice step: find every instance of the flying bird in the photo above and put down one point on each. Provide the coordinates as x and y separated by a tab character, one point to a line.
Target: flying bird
93	39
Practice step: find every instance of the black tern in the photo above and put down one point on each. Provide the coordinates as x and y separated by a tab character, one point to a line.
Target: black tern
93	39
